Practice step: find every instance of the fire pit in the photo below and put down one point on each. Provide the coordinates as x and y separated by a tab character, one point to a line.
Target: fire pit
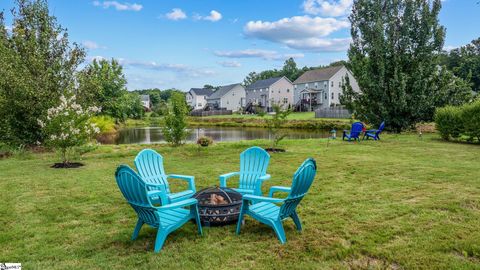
218	206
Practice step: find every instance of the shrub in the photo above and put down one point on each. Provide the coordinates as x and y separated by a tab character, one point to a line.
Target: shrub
276	122
204	141
471	119
448	121
175	128
105	123
67	126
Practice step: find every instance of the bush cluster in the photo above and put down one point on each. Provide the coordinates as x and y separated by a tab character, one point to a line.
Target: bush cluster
459	121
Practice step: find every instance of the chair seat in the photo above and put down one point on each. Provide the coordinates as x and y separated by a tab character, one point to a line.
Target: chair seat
265	210
173	217
174	197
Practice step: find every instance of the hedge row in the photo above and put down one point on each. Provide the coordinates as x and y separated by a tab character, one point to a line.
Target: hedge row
459	122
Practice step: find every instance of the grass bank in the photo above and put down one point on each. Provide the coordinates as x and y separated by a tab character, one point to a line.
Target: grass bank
305	120
402	202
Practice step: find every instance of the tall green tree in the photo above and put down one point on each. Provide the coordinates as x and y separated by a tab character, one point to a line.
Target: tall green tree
175	128
464	62
394	58
102	83
37	66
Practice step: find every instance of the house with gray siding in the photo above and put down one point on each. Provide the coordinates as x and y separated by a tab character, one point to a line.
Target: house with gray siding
229	97
321	88
266	93
197	97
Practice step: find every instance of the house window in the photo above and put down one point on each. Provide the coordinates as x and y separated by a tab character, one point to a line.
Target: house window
272	91
339	84
339	95
254	90
288	90
316	85
306	85
279	91
285	100
331	84
295	86
199	104
228	102
233	94
326	96
333	95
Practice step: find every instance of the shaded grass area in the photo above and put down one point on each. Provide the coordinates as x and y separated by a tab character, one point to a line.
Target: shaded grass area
399	203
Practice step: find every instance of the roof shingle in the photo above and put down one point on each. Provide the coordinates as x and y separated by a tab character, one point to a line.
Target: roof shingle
202	91
316	75
263	83
222	91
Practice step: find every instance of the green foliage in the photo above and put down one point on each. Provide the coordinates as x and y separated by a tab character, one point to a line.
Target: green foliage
157	96
454	122
471	120
275	123
102	83
105	123
37	66
448	122
175	128
67	126
160	108
464	62
204	141
394	58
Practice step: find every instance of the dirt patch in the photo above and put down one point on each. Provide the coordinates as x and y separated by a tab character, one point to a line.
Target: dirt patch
70	165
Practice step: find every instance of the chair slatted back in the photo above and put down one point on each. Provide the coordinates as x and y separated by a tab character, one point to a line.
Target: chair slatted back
134	190
356	130
302	180
149	165
253	164
380	128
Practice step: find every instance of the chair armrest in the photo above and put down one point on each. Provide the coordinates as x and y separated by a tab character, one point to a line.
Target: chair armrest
224	177
261	199
190	179
371	130
264	177
179	204
152	193
278	189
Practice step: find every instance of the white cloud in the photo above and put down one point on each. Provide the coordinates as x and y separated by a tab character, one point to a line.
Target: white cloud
301	32
176	14
91	45
118	6
213	17
256	53
232	64
184	70
449	47
330	8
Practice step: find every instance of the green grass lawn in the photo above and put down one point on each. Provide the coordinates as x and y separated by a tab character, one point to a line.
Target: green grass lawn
292	116
400	203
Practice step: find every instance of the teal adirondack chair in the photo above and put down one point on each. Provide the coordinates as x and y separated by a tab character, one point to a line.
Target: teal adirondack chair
149	165
265	210
253	171
166	218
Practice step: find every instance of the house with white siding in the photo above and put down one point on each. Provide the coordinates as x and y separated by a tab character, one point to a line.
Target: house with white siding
266	93
197	97
321	88
229	97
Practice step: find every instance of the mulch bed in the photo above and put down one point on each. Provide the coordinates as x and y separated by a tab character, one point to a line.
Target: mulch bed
67	165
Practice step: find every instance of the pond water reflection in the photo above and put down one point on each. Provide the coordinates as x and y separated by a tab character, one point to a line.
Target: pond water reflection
150	135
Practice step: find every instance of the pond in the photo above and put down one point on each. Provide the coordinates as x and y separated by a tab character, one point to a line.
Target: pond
149	135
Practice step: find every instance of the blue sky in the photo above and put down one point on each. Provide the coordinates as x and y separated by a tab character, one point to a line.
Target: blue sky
189	43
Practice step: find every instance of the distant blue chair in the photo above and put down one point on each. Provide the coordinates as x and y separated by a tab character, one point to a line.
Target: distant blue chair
166	218
374	133
355	132
265	210
253	171
149	165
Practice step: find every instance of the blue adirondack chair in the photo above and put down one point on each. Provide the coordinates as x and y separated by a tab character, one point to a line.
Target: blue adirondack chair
355	132
265	210
253	171
166	218
149	165
374	133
